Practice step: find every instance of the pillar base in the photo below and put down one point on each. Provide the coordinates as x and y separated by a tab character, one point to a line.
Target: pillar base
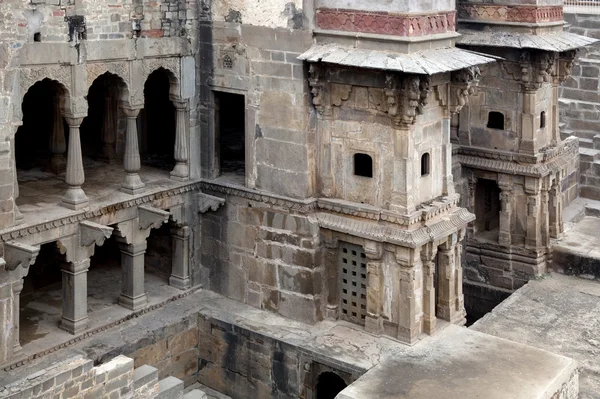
17	351
180	172
133	303
374	324
133	184
74	327
75	198
331	312
58	164
179	282
429	326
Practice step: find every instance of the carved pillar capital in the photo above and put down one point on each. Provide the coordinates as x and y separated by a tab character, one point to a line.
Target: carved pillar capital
18	254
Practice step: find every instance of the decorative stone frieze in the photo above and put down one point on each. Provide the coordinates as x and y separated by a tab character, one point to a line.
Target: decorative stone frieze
385	23
510	13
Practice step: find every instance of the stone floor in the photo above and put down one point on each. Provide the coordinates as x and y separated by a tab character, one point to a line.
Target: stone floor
40	192
41	310
499	362
560	314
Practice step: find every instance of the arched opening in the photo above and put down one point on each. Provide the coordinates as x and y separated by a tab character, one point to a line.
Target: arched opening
41	297
487	208
425	164
495	120
363	165
157	139
543	120
103	129
40	142
329	385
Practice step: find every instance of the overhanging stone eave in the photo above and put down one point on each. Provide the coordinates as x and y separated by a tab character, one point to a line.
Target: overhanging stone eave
425	62
554	42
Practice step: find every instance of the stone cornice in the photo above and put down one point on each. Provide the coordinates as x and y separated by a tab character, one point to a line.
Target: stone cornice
552	159
509	13
384	23
447	225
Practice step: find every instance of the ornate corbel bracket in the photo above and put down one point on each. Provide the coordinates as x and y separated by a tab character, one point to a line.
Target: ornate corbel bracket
566	62
462	85
209	202
409	101
319	89
149	217
18	254
91	233
373	250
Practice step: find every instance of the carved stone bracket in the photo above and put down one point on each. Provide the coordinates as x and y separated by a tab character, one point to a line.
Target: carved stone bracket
410	100
462	86
566	61
151	217
93	233
318	88
532	70
208	202
18	254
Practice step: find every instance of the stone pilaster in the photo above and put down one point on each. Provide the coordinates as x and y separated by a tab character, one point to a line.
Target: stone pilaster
180	270
132	235
410	313
131	161
17	287
133	294
374	319
109	130
58	144
505	215
181	172
555	210
74	197
18	214
74	305
544	217
450	304
332	305
428	257
6	318
78	249
528	126
533	238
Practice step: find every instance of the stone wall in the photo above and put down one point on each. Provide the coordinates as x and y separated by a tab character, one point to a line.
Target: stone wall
580	103
263	256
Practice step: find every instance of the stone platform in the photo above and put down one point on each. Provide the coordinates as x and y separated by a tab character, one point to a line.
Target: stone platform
466	364
560	314
578	251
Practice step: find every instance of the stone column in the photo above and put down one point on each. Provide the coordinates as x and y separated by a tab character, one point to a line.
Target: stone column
109	128
332	307
448	178
504	231
409	272
18	214
6	319
74	298
450	303
429	316
181	172
533	228
555	212
544	218
180	271
133	295
133	184
74	198
459	301
17	287
58	145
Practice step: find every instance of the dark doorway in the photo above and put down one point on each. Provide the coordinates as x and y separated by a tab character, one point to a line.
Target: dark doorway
329	385
487	205
158	116
230	129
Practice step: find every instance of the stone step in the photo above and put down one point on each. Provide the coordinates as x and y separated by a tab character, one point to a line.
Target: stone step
592	208
195	394
586	143
170	388
590	192
588	154
596	141
145	381
577	253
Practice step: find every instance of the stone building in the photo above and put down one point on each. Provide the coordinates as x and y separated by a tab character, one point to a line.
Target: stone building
513	169
291	162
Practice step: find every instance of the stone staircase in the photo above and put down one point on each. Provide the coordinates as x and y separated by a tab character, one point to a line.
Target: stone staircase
147	385
589	162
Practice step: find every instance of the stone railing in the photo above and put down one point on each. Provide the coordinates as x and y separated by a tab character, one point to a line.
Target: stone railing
582	6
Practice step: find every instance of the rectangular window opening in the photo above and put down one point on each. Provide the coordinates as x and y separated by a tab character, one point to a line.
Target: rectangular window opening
230	133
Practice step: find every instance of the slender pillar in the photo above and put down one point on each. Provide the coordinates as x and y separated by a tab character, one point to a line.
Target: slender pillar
459	300
533	226
133	295
74	198
6	319
74	296
181	172
450	303
180	271
528	143
374	320
58	144
109	128
133	184
429	318
17	287
407	329
504	231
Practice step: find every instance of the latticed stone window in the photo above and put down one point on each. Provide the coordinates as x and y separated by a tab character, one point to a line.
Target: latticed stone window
227	62
353	273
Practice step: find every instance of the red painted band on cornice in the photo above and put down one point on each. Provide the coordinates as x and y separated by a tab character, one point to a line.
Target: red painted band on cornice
385	23
499	13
